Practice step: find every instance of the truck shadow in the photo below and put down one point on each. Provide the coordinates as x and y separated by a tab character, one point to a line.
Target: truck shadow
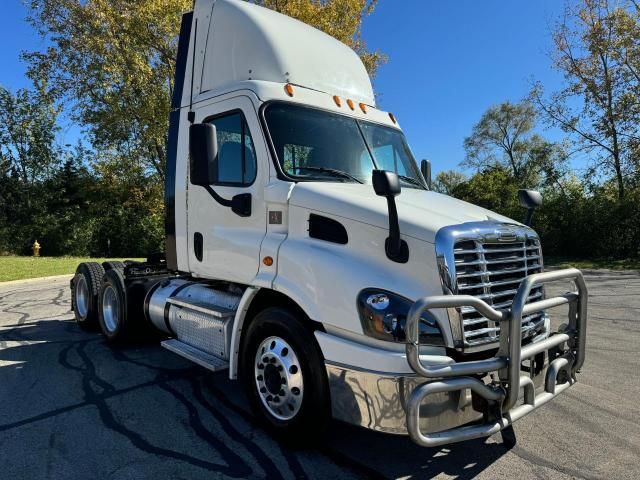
49	369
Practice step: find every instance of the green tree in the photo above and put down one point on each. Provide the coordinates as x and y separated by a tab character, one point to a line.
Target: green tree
504	136
494	188
28	155
447	181
596	46
28	130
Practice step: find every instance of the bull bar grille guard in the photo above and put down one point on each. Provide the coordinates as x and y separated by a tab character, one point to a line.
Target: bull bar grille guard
503	395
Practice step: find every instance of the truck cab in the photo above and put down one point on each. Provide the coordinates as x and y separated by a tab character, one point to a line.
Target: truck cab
306	253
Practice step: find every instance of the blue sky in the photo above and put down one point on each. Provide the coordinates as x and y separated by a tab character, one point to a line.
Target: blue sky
448	62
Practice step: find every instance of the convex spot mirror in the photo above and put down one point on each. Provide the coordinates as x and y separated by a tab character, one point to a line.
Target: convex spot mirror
203	154
529	199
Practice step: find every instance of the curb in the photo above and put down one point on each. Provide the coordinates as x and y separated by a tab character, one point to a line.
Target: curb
27	280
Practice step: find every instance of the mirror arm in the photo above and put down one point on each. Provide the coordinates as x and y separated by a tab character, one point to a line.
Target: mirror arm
395	248
529	217
222	201
394	241
239	204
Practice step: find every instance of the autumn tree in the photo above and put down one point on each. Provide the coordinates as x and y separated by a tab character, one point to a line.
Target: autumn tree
596	48
113	62
342	19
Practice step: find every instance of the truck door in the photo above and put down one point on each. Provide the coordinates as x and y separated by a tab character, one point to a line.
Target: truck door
222	244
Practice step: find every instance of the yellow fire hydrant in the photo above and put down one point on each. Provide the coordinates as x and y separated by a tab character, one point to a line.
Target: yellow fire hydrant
36	249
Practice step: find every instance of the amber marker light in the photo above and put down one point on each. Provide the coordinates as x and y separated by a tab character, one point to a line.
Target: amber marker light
289	89
338	100
268	261
350	103
363	107
392	117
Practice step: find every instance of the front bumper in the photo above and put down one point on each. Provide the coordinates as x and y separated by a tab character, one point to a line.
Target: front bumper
450	402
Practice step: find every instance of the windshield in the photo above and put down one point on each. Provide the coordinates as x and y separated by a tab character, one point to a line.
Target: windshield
313	144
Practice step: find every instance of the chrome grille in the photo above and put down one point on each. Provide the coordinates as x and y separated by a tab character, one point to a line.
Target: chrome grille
493	271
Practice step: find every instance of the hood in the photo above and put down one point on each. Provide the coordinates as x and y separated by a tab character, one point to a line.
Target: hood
421	213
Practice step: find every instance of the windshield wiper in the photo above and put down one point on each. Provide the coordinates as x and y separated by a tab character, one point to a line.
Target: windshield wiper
411	180
332	171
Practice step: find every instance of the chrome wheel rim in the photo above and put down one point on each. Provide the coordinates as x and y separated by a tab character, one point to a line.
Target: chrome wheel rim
110	309
82	296
278	378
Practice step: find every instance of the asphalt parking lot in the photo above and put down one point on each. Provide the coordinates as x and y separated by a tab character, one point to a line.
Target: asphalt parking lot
71	407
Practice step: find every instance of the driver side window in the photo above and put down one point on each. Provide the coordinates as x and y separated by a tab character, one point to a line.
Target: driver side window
236	153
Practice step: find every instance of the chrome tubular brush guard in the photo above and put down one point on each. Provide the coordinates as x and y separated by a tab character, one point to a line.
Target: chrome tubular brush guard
502	395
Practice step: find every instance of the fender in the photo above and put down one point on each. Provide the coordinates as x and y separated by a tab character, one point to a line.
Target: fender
236	334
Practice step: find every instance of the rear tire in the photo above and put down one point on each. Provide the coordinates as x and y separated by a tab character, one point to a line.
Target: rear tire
114	322
113	265
284	376
85	288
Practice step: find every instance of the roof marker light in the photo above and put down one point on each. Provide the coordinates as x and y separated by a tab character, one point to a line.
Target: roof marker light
363	107
350	103
393	118
289	89
337	99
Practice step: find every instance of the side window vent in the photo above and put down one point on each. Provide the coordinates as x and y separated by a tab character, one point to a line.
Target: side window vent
327	229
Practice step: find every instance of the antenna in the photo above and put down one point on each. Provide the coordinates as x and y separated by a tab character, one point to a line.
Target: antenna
191	116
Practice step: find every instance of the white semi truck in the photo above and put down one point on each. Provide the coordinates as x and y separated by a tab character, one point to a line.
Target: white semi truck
307	255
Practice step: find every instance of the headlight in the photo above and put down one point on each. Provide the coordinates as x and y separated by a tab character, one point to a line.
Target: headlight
384	314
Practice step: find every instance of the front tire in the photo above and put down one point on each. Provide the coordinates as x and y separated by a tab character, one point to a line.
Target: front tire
284	376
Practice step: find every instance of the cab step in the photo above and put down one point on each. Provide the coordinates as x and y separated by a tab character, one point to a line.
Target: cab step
203	359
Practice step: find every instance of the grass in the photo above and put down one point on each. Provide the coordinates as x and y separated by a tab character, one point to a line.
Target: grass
18	268
564	262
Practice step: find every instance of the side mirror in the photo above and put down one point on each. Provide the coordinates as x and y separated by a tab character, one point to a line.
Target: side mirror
529	199
425	168
387	184
203	154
